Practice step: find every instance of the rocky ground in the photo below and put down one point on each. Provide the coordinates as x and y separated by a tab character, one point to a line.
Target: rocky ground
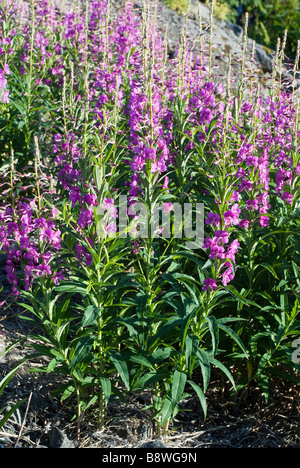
227	38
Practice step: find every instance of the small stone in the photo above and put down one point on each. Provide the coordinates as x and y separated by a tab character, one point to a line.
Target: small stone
154	444
58	439
143	431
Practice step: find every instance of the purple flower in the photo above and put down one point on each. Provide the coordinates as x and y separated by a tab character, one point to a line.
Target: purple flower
222	236
168	207
54	211
166	181
58	277
287	197
244	224
227	276
90	199
245	185
40	223
212	218
109	205
5	97
75	196
217	251
232	216
209	284
3	81
80	250
85	218
252	205
232	250
264	221
43	269
111	228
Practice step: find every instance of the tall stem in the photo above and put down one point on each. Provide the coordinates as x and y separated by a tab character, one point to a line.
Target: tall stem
29	78
78	410
281	59
36	165
211	17
244	47
101	420
12	168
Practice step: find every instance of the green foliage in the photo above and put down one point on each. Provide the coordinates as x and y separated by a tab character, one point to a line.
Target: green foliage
7	413
115	319
268	20
178	5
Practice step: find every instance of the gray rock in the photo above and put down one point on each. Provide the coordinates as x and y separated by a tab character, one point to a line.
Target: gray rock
3	345
143	431
153	444
264	59
58	439
237	30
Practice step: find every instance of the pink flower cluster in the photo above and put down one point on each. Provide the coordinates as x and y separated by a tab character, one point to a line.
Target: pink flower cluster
4	92
22	241
223	253
151	150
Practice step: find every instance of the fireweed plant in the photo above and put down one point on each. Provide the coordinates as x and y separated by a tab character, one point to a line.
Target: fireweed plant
94	112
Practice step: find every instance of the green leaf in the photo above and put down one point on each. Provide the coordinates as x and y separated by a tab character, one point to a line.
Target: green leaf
165	329
204	361
141	304
186	323
200	395
90	316
214	331
280	334
129	324
141	360
72	287
238	296
178	384
263	382
10	347
10	375
160	355
121	366
82	351
150	378
190	350
106	387
52	364
265	359
297	273
10	412
235	337
166	410
270	269
67	392
223	368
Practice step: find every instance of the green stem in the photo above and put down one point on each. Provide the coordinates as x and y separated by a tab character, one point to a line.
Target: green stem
12	179
78	409
101	346
158	424
101	420
29	80
36	165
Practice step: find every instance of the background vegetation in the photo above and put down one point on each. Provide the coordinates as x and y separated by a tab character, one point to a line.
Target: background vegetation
267	19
